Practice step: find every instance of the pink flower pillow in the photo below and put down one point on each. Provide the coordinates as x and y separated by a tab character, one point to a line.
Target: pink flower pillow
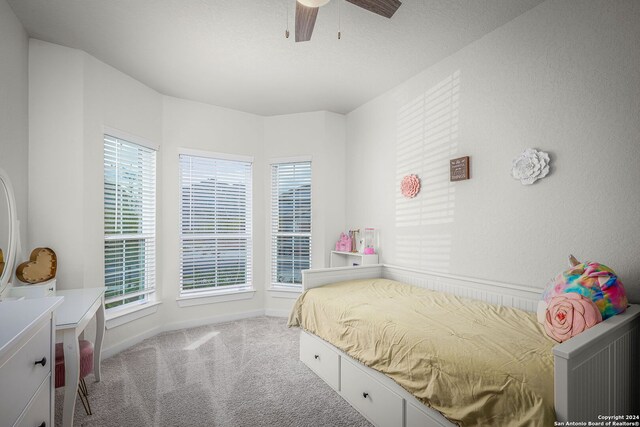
569	314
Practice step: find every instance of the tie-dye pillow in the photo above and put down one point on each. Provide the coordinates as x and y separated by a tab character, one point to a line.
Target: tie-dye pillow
594	281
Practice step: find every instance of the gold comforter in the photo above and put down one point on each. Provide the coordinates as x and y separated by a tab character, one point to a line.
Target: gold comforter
478	364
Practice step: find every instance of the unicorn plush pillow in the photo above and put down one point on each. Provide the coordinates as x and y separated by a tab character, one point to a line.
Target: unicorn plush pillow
599	289
594	281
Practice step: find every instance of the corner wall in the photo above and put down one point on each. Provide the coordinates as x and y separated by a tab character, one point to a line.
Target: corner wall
14	114
198	126
73	96
321	135
563	77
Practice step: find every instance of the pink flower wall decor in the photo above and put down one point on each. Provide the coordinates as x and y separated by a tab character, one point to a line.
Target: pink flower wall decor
410	186
569	314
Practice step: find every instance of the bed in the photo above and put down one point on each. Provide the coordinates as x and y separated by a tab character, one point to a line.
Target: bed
490	364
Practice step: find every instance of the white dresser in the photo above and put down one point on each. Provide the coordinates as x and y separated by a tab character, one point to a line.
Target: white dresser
27	354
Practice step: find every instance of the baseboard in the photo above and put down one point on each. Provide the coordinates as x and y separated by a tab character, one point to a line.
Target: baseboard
277	312
130	342
193	323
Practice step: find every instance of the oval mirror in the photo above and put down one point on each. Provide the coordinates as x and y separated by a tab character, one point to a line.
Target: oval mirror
8	230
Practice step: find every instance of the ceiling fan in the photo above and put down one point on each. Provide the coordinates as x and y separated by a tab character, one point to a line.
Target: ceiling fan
307	11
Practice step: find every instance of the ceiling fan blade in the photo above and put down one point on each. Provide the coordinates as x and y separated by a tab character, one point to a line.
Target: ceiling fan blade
305	21
385	8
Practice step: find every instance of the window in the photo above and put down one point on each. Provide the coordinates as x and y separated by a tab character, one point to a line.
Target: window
290	222
215	224
129	222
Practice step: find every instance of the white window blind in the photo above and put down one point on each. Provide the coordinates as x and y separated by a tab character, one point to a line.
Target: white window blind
215	225
129	222
290	222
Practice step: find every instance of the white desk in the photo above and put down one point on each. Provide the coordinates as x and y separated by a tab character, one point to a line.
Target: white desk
77	309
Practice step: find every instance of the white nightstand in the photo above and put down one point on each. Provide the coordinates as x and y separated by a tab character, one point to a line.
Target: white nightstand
351	259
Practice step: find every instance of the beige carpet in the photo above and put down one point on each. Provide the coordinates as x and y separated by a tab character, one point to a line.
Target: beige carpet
243	373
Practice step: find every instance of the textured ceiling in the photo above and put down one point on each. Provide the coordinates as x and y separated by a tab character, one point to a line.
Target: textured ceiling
233	53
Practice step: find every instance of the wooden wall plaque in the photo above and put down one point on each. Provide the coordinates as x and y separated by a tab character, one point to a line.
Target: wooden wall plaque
459	168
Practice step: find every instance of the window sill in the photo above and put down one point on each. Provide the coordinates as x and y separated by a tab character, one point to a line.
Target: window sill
283	292
121	317
215	297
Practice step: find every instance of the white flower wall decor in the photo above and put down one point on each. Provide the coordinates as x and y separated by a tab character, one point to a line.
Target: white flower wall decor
530	166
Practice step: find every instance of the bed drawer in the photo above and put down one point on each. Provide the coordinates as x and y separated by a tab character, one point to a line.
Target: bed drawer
20	376
420	418
371	398
321	358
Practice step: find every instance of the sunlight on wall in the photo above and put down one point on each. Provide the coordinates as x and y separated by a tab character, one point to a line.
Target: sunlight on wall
427	138
431	252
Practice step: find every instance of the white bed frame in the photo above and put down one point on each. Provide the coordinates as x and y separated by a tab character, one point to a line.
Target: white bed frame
597	373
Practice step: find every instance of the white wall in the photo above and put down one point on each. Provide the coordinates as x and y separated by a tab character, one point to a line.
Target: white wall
14	89
563	77
193	125
320	135
73	96
117	101
56	150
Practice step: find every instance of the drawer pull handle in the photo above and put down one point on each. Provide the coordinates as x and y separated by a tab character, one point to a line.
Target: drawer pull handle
44	424
316	356
41	362
365	395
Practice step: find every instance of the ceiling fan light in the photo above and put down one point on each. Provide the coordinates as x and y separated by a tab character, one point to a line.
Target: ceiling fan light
313	3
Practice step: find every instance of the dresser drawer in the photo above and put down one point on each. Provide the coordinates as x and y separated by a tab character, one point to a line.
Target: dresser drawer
39	409
20	376
321	358
376	402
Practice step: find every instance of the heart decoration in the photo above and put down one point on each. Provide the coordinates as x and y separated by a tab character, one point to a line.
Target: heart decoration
42	266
